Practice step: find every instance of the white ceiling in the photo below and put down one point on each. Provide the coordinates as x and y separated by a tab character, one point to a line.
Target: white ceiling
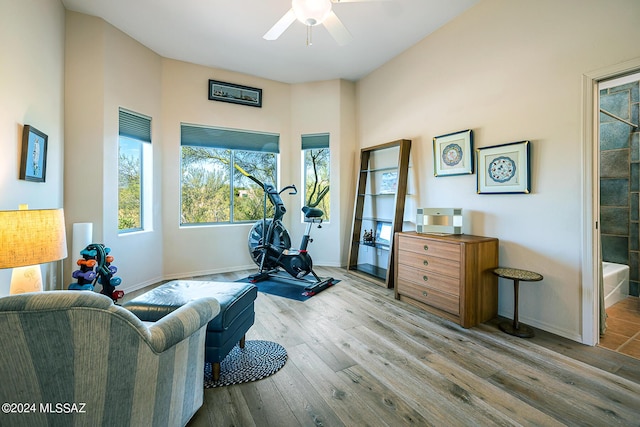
228	34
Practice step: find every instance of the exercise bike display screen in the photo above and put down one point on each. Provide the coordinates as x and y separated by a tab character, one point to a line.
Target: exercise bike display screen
383	233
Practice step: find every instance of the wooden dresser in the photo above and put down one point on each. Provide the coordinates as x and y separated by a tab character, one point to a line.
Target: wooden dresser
448	275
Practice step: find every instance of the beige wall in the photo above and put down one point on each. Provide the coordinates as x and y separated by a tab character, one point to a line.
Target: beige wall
201	250
325	106
84	127
288	110
347	152
133	80
31	92
511	71
106	70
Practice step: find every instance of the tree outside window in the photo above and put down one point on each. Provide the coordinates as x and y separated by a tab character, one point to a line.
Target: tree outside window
134	170
212	190
317	171
209	179
129	184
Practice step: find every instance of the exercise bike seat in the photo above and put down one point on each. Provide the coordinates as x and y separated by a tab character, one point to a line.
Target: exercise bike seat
312	212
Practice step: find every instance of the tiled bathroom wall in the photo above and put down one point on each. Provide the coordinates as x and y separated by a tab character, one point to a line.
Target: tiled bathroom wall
620	180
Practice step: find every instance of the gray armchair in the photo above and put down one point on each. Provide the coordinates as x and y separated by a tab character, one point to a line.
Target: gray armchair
73	358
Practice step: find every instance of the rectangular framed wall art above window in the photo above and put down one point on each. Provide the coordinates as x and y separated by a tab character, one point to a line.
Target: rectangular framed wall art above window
33	164
453	153
504	168
235	94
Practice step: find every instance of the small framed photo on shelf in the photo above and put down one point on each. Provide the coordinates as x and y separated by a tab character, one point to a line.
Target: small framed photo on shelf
33	164
504	168
453	153
389	183
236	94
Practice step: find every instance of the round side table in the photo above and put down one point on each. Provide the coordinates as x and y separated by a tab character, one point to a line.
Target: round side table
516	328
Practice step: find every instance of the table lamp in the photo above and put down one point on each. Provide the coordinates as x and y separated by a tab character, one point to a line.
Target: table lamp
29	238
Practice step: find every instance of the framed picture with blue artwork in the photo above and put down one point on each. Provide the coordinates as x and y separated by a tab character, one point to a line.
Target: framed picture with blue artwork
33	164
453	153
504	168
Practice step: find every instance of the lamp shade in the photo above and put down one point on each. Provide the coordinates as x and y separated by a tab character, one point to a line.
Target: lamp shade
29	237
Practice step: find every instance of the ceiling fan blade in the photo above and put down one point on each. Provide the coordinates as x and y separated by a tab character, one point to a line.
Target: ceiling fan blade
336	28
280	26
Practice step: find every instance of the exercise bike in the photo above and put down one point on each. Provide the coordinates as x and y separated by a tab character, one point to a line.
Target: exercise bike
270	244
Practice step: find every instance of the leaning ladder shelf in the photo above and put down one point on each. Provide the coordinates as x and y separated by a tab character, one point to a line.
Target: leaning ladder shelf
379	209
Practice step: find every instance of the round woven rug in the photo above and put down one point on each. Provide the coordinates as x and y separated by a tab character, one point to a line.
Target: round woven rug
257	360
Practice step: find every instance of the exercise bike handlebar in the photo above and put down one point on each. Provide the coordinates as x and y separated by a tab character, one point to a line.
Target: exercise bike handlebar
265	186
290	187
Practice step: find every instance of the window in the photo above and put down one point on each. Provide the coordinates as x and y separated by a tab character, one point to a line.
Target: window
316	161
212	190
134	147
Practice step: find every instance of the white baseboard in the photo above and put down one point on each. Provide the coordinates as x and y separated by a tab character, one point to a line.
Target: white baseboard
329	264
137	286
572	335
186	274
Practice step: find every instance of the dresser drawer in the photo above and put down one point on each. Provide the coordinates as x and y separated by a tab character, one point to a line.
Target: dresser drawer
420	277
433	297
448	275
430	247
430	263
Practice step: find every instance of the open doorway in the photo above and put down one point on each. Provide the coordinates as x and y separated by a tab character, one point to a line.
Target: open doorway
618	152
590	252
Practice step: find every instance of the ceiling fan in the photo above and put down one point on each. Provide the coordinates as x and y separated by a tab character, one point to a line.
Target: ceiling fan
312	13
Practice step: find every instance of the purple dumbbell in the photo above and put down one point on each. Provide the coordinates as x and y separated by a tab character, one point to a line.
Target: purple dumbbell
86	275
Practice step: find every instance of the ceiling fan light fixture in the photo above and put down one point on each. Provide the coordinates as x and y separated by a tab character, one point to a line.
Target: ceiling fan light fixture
311	12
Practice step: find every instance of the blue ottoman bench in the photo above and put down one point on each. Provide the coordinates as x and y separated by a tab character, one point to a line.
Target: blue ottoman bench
223	331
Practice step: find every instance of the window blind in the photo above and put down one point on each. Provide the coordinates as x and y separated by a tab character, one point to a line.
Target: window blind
212	137
133	125
315	141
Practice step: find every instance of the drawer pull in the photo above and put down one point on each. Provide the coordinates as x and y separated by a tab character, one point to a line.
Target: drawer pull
426	248
425	278
424	293
425	262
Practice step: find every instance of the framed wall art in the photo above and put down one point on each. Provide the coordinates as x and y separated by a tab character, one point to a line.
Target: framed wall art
236	94
504	168
33	164
453	153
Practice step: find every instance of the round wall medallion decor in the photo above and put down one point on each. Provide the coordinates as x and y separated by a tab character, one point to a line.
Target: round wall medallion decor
452	154
502	169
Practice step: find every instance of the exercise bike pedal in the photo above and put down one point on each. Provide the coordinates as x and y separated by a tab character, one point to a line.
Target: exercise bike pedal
258	277
316	288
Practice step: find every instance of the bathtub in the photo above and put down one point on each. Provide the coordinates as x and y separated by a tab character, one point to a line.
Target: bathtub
616	282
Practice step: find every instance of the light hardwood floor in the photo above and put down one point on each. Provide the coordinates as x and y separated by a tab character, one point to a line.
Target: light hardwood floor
358	357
